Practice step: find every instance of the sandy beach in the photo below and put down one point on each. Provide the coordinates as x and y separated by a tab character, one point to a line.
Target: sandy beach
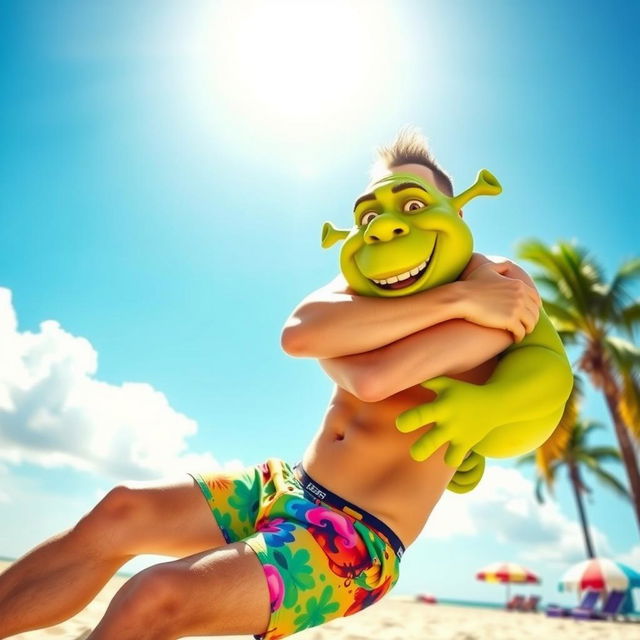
396	618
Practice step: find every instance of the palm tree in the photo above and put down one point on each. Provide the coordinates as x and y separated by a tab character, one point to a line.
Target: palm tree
568	447
586	310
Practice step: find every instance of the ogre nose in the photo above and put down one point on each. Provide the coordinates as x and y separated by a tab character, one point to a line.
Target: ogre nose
385	227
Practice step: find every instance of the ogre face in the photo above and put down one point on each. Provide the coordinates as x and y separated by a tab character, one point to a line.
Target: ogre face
407	237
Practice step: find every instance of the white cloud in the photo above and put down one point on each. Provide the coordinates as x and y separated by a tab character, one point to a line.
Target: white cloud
631	557
4	497
504	503
54	412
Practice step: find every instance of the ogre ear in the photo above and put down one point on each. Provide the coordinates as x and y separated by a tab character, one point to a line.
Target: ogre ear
331	235
486	184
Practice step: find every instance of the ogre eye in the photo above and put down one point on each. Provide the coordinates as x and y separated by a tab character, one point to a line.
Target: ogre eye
413	205
367	217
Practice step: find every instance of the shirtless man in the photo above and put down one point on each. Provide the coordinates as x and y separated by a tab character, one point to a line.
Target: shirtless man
287	550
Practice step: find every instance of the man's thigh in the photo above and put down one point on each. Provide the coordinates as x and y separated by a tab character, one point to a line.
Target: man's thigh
216	592
226	592
167	517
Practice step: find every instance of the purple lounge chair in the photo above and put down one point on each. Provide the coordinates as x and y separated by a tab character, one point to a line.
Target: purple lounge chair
612	606
586	612
588	603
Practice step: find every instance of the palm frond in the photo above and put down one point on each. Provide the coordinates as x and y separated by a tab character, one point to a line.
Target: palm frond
557	267
568	337
540	490
529	458
629	401
550	283
585	275
585	427
604	454
630	318
573	273
610	481
562	317
625	276
625	354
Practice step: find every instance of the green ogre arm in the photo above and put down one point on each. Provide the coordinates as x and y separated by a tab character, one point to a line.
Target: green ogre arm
512	413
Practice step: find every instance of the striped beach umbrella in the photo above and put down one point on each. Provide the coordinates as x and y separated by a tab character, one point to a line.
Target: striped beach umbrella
599	574
507	573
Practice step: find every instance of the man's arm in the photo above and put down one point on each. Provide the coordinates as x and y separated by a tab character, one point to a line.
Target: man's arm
334	322
448	348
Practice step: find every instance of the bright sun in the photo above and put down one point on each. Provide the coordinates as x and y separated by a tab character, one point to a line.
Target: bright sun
288	63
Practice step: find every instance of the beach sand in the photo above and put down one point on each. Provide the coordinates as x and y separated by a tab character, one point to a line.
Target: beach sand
395	618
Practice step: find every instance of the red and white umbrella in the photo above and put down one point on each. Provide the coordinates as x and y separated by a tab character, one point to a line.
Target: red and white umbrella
599	574
507	573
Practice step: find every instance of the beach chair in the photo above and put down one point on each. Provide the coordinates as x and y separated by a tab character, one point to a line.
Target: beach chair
612	607
530	604
426	598
586	609
588	602
515	604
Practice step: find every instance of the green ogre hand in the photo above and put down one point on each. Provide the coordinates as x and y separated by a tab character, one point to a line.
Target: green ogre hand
464	414
512	413
468	474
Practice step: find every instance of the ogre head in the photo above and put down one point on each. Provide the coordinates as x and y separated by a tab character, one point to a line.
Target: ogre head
408	236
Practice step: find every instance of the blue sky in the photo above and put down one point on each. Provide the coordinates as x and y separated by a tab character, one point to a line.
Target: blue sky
165	170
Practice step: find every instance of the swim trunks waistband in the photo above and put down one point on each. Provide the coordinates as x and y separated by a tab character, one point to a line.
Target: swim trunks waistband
322	493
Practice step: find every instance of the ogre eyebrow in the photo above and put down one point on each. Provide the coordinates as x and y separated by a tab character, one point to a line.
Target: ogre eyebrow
368	196
407	185
398	187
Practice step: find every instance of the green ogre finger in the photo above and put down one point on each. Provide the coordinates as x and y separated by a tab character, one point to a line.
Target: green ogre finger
428	444
471	476
438	384
470	461
417	417
455	454
460	488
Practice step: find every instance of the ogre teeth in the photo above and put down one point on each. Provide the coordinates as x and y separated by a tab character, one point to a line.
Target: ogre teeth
402	276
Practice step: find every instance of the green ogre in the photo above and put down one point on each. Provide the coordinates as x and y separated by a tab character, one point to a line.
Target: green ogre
407	237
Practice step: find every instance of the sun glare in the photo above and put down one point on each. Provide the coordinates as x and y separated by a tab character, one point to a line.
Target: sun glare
288	64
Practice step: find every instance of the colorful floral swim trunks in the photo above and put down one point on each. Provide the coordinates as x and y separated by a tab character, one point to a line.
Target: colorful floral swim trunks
322	556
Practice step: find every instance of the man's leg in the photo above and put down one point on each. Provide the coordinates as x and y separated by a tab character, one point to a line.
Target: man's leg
62	575
218	592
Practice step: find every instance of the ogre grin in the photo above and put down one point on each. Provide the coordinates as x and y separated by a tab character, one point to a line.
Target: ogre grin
406	278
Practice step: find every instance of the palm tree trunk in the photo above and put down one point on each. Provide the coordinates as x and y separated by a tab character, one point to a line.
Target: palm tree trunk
574	476
612	394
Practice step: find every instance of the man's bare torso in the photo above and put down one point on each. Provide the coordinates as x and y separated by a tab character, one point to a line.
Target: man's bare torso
359	454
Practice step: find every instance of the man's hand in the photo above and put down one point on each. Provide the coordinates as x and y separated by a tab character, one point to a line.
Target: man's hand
493	298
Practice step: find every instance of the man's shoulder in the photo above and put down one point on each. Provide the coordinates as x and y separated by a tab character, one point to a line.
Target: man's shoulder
336	286
478	259
514	270
339	285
